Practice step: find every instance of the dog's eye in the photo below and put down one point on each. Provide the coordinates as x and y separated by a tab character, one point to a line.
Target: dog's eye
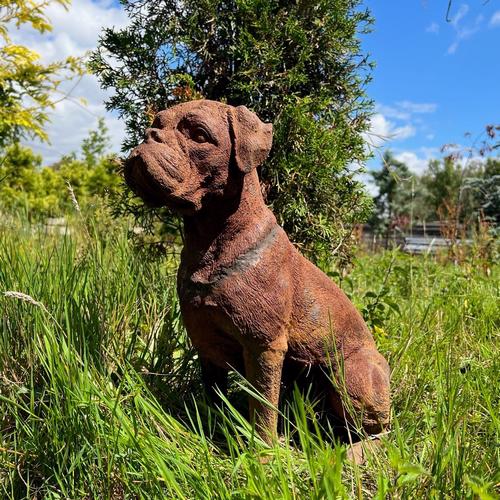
199	135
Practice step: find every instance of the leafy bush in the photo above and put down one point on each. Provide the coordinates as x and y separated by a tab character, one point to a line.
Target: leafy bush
299	65
27	86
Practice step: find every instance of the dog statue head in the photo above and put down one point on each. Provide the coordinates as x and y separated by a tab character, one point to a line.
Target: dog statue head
195	152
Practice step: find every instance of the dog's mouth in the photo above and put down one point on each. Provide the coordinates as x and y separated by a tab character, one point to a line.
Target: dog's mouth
154	181
143	183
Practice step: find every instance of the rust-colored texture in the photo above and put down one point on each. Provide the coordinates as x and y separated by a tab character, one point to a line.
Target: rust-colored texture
250	301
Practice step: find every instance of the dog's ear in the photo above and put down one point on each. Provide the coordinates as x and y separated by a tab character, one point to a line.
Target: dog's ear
251	138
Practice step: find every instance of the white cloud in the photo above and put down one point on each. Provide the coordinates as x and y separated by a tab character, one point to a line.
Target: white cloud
495	19
75	32
403	111
453	47
415	163
396	121
461	13
367	180
394	112
432	28
379	125
462	32
404	132
418	107
383	130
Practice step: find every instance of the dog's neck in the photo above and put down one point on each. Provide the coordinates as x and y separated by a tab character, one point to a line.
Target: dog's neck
216	237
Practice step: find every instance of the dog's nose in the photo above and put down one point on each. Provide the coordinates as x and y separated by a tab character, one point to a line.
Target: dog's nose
152	135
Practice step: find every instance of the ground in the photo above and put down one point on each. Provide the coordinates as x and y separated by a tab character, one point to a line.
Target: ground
100	394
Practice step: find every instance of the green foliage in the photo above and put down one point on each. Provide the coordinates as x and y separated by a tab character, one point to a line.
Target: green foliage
464	185
93	173
44	192
100	395
18	170
28	87
394	198
485	187
443	181
465	190
96	145
299	65
379	304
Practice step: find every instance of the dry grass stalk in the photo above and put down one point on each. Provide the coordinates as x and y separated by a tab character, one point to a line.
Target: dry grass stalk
73	198
25	298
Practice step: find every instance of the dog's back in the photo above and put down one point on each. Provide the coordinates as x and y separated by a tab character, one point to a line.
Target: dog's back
324	321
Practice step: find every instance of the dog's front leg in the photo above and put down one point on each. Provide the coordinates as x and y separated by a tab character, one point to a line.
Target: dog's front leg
263	367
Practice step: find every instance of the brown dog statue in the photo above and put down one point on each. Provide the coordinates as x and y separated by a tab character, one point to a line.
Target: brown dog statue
249	300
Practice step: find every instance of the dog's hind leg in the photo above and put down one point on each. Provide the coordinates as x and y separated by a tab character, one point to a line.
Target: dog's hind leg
361	393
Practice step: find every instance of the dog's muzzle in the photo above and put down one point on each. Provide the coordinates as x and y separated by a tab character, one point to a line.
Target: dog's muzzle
141	183
152	171
151	174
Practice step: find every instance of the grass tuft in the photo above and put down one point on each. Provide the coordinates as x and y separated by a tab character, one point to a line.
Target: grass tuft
100	393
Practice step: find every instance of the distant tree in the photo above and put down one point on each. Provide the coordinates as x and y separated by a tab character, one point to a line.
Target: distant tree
485	186
297	64
93	171
463	183
459	189
19	177
96	145
27	86
394	197
443	181
43	192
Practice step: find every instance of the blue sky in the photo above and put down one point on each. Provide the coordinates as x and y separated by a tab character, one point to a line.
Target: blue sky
434	80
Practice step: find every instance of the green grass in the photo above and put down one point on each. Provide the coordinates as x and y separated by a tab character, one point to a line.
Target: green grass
100	394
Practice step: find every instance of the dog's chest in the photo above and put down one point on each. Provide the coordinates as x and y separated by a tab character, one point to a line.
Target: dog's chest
206	313
207	285
248	296
198	293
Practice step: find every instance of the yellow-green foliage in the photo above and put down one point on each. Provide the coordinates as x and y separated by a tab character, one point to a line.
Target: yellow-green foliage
27	86
44	192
